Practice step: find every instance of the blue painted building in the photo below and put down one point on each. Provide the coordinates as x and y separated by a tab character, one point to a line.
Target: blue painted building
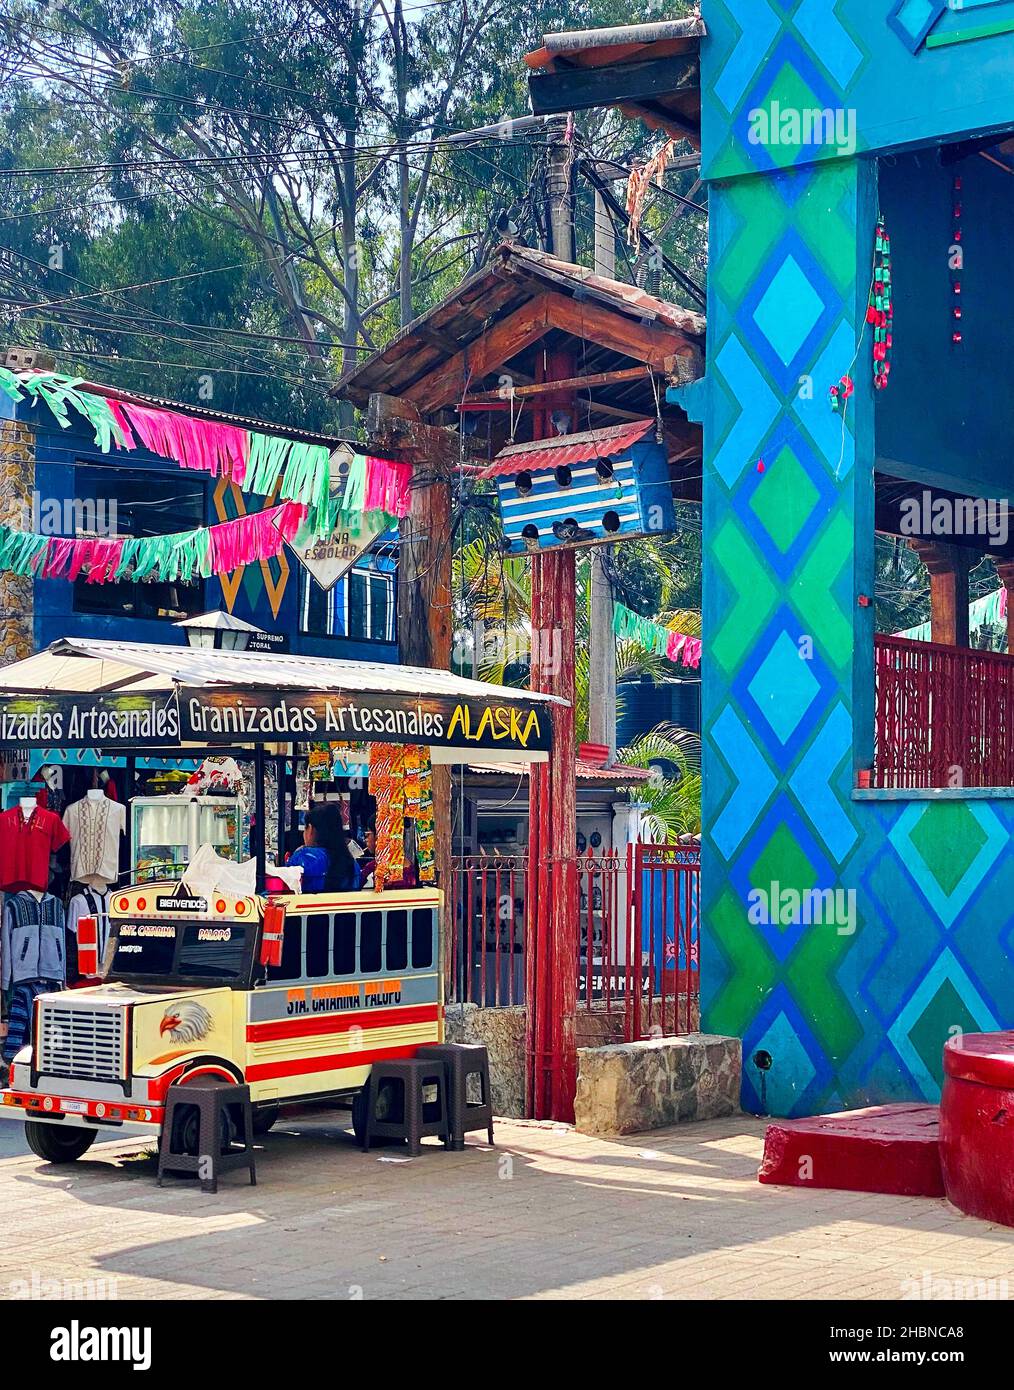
136	493
857	864
837	761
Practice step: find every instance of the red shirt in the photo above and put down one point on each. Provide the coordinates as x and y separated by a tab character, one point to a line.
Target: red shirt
26	846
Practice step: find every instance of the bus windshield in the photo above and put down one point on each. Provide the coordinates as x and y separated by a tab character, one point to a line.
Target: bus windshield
180	952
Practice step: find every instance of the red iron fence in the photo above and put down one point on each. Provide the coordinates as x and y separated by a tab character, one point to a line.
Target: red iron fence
638	944
943	716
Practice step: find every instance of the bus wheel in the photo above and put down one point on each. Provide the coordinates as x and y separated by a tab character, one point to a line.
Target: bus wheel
264	1116
57	1145
186	1135
387	1102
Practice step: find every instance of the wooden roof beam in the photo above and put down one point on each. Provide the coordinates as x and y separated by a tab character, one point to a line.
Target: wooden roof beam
511	335
656	346
651	344
580	89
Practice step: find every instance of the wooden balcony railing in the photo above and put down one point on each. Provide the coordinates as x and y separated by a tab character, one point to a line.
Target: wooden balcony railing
945	716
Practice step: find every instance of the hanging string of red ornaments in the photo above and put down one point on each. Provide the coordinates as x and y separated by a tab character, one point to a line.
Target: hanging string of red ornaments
880	311
956	261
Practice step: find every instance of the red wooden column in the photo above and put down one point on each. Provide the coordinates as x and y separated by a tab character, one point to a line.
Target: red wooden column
551	994
552	896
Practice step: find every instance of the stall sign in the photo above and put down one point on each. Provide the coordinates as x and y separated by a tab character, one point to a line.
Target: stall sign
211	715
217	716
90	721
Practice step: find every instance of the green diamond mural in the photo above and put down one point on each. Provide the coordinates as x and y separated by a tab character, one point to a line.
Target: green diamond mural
784	499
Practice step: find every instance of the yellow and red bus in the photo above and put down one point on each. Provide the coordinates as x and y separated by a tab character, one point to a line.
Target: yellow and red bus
296	996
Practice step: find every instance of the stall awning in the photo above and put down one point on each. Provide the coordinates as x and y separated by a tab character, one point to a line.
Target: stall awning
569	449
85	693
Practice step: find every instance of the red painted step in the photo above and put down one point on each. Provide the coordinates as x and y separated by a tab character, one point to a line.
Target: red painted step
887	1148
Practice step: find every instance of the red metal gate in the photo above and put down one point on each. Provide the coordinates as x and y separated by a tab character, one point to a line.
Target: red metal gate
638	941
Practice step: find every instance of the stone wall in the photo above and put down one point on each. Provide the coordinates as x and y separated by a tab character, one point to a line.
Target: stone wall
17	483
630	1087
502	1031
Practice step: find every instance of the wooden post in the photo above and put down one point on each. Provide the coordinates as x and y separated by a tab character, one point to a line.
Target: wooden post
425	618
949	567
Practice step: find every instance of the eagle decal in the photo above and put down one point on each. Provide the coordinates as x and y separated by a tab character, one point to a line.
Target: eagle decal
186	1022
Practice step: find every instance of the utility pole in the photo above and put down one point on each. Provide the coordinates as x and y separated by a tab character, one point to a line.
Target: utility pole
560	188
602	643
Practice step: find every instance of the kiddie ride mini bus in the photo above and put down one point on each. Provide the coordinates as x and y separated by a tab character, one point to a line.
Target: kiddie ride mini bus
295	996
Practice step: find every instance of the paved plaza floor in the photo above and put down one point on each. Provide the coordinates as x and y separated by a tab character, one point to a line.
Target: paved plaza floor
548	1213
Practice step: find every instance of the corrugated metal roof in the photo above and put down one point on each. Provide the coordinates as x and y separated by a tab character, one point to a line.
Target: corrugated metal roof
568	449
617	292
617	774
565	57
79	664
582	40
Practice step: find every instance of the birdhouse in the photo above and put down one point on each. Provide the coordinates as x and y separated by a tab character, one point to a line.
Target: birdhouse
584	489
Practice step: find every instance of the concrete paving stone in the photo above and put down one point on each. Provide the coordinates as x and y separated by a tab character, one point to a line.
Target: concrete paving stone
668	1215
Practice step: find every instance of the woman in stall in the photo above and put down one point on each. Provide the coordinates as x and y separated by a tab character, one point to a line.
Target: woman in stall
324	831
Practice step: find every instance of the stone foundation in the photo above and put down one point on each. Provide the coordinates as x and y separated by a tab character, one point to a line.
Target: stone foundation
502	1031
627	1088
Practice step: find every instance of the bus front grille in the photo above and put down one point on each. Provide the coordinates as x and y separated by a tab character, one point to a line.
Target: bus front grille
81	1042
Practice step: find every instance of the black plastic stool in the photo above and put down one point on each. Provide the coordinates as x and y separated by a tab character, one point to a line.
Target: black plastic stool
213	1100
463	1060
412	1122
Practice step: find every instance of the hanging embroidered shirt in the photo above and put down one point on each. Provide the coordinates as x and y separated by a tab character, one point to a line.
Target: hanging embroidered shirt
90	902
26	846
31	940
95	828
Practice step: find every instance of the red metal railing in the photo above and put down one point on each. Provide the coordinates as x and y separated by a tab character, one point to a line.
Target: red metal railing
665	929
943	716
638	938
488	926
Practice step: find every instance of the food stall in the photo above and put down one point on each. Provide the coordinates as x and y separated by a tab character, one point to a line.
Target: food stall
230	969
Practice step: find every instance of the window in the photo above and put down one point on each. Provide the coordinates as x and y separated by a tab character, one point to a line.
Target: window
370	931
218	959
397	940
361	606
291	967
345	943
116	501
422	938
318	946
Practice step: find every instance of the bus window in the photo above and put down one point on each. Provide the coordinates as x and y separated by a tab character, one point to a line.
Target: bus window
345	943
397	941
370	929
422	938
291	967
318	946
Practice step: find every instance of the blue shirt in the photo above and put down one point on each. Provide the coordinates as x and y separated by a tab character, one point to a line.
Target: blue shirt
315	863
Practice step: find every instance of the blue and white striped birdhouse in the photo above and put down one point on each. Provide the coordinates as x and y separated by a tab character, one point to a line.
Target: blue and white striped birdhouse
584	489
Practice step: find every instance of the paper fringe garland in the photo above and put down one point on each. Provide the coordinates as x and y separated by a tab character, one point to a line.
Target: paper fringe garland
653	637
181	556
258	463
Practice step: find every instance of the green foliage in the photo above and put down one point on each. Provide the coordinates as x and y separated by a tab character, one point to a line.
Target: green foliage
673	804
234	211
